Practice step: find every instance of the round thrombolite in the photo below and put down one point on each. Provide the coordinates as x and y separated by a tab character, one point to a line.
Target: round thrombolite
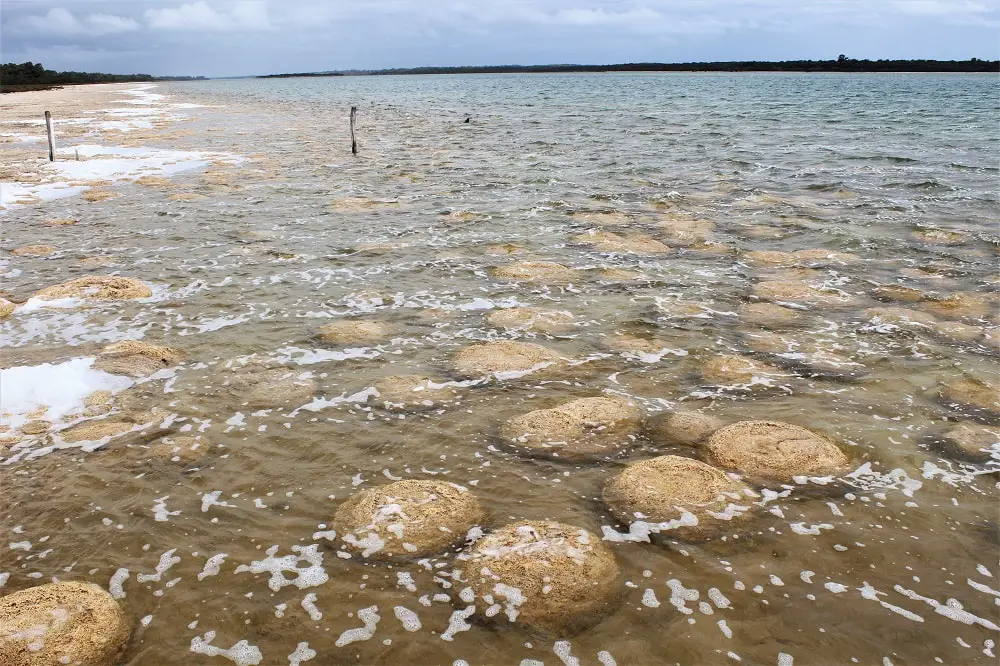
180	449
353	331
670	488
411	393
774	451
889	318
963	305
801	293
6	308
647	350
542	574
98	288
135	358
579	429
273	387
970	442
686	230
939	236
407	518
62	623
531	319
605	241
503	358
682	428
33	251
730	370
536	271
956	331
770	315
897	293
821	256
975	396
768	258
97	429
810	355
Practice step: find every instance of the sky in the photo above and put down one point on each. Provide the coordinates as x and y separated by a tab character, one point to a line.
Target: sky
246	37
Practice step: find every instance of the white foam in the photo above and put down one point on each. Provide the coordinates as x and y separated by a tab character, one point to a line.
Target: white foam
305	577
370	617
302	653
241	654
457	623
115	585
60	388
212	566
409	619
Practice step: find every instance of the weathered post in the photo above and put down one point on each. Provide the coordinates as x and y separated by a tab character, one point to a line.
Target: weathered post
354	143
52	136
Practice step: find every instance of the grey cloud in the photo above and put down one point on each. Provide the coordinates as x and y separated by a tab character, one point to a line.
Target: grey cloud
232	37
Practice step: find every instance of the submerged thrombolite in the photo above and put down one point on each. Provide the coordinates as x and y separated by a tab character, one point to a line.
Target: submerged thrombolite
406	519
579	429
502	358
543	574
772	451
701	499
62	623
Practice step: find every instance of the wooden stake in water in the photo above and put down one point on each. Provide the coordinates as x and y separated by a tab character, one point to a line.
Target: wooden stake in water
52	136
354	143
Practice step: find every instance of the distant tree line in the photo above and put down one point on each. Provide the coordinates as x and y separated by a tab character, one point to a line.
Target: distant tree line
33	76
841	64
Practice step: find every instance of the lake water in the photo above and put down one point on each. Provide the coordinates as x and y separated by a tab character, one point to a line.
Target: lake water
893	177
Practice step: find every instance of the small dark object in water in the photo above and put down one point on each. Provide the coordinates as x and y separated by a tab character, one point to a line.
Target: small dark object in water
468	119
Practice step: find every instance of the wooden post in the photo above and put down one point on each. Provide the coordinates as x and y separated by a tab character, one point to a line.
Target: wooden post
354	143
52	136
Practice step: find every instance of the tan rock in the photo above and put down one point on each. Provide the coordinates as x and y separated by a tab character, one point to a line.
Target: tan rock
973	395
682	428
103	288
531	319
971	442
353	331
412	393
135	358
727	370
546	575
536	271
605	241
407	518
502	358
770	315
771	451
798	292
898	293
33	251
62	623
664	489
577	430
963	305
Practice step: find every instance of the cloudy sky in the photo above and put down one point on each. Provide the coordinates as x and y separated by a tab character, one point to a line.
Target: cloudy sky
236	37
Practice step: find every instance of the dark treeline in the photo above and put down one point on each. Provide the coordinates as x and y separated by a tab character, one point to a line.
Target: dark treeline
841	64
298	74
33	76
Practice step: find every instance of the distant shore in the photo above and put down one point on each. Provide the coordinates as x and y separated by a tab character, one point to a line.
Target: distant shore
842	64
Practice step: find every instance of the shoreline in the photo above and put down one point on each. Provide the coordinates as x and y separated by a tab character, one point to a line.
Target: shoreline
104	133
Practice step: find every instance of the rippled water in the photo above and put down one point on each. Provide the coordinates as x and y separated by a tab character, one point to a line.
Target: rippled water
898	566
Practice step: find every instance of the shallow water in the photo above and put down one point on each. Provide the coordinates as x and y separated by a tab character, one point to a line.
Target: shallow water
896	566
